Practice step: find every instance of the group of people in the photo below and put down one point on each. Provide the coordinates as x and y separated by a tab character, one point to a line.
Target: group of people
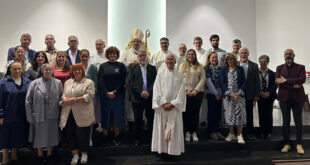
72	90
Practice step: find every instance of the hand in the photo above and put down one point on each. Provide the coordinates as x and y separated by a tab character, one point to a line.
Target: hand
32	122
133	62
194	92
70	101
265	94
1	121
296	86
145	94
256	98
64	101
232	95
166	107
170	106
280	80
111	95
218	97
188	93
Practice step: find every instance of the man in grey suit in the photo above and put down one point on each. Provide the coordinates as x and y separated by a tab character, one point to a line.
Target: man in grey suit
252	91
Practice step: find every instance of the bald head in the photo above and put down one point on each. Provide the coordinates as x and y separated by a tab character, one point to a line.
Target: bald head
170	61
100	45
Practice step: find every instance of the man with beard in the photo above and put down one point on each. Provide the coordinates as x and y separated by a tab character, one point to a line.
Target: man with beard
252	90
290	78
158	59
236	45
214	40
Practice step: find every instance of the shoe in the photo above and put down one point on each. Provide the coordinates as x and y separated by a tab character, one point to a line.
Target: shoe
75	160
251	137
230	137
106	141
286	148
268	136
117	141
240	139
84	159
136	143
300	150
158	157
187	137
214	136
195	137
90	142
220	136
99	129
41	160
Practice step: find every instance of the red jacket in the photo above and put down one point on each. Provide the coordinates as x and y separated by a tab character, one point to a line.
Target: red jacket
297	76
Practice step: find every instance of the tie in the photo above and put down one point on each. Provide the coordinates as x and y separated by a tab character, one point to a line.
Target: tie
144	78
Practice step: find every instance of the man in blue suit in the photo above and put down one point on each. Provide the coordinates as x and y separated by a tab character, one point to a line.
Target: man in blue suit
25	41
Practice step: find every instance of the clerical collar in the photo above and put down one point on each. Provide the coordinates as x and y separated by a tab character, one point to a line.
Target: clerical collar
100	54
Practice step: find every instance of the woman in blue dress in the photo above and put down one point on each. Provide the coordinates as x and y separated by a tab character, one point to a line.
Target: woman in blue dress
13	123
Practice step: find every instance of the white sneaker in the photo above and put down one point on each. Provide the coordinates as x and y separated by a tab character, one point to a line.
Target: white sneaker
99	129
75	160
187	137
240	139
84	159
230	137
195	137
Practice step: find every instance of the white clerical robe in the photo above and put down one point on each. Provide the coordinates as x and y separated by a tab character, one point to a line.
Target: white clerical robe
201	56
168	88
158	60
128	55
97	59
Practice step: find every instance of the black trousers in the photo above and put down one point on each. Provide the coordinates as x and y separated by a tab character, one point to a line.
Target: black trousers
78	137
214	113
249	117
138	109
191	114
265	108
286	108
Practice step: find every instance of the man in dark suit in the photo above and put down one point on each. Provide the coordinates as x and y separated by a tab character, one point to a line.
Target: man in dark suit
25	41
267	96
290	77
73	51
252	89
141	79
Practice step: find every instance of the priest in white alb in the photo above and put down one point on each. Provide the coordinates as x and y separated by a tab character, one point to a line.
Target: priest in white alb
169	101
158	59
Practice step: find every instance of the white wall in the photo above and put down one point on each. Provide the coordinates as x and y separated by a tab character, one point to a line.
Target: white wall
230	19
125	15
85	19
283	24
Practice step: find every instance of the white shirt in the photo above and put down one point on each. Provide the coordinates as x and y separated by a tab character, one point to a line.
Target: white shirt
72	56
245	67
201	56
97	59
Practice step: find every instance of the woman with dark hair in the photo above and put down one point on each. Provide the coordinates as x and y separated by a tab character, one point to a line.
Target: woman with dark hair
233	90
214	98
13	124
42	109
62	70
194	81
91	73
77	114
19	56
112	78
40	58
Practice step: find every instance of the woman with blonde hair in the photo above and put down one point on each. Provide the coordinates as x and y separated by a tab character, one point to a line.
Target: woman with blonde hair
233	91
194	80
